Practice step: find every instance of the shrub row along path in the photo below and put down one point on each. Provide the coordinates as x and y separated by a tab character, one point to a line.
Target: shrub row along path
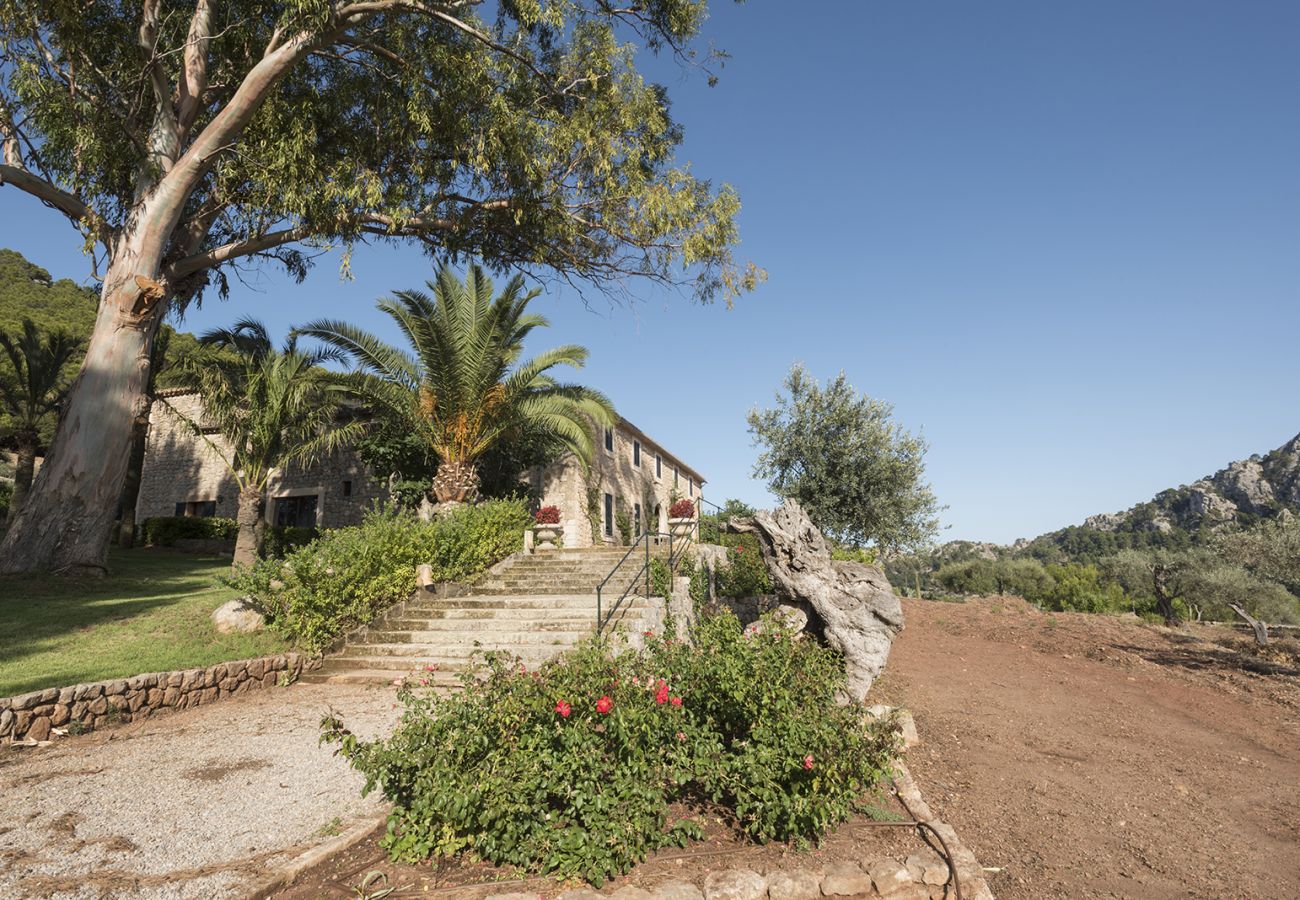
198	804
1089	756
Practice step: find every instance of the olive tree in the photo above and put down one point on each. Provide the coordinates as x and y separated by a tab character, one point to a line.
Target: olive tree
839	453
187	138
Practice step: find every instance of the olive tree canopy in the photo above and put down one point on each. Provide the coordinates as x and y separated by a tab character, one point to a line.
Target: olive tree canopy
186	138
858	473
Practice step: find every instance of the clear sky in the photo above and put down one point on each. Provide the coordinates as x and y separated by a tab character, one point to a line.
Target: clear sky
1062	239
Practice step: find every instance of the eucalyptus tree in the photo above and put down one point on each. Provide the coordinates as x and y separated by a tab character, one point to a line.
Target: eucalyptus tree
32	386
184	139
461	385
271	407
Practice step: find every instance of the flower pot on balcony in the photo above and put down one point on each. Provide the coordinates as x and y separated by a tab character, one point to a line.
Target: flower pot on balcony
544	536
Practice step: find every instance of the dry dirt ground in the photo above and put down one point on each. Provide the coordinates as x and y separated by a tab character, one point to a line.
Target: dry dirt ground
1089	756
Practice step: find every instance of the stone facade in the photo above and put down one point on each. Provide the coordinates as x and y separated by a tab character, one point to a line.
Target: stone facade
629	471
185	475
34	716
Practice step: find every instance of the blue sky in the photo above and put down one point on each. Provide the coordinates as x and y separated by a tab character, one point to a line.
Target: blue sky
1062	239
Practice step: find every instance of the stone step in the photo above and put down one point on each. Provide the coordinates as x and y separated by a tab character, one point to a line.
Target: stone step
449	662
495	602
501	639
408	624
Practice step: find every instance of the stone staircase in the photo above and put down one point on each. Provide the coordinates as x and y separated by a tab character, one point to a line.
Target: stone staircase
532	606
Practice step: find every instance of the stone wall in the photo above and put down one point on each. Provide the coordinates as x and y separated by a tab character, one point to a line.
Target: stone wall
564	484
34	716
181	467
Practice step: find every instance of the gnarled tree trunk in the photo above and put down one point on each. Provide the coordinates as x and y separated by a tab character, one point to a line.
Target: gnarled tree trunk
456	482
251	519
858	608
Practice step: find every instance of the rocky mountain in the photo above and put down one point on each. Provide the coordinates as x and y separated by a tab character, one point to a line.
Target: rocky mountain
1243	493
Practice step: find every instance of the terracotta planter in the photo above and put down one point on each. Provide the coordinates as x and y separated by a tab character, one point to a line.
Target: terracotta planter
544	536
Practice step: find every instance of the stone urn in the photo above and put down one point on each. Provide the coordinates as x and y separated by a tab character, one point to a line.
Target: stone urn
544	536
681	528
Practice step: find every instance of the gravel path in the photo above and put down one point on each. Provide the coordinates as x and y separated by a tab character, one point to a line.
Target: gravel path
203	803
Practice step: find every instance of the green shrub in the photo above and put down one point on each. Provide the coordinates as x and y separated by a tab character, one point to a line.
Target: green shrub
281	539
347	576
165	531
745	574
867	555
583	768
1077	588
6	497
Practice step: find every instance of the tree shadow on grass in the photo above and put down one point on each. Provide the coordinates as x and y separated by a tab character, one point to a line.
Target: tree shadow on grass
38	614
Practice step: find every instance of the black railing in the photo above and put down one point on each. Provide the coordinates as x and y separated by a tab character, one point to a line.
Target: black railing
676	552
702	527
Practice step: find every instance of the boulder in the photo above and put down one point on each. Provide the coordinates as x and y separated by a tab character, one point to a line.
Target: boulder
735	884
857	607
235	616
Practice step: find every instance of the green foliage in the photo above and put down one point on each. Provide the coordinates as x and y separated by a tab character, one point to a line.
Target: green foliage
623	525
1270	551
275	407
661	580
869	556
347	576
1087	545
745	574
6	495
283	539
165	531
579	770
33	379
461	386
526	137
1077	588
839	453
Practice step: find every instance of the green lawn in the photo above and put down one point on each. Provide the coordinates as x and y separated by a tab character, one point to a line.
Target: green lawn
150	615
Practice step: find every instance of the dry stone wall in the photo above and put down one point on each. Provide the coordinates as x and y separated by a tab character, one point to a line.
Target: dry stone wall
85	707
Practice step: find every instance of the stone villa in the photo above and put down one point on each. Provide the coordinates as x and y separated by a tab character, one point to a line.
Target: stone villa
631	474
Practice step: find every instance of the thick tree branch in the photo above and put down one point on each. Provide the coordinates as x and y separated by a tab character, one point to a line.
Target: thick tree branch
195	79
210	259
56	198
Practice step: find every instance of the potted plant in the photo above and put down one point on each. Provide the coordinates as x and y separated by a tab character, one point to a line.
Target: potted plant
546	527
681	518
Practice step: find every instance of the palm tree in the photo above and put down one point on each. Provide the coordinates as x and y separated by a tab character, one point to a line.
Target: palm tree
31	388
461	385
274	408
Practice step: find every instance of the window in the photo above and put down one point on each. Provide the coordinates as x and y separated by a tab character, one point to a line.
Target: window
609	439
609	515
676	476
691	482
659	467
636	454
196	508
347	489
636	517
296	512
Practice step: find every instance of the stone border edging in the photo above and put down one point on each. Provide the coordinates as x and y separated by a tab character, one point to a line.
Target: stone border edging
286	874
35	716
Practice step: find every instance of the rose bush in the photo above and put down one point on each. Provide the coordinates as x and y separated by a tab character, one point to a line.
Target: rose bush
581	768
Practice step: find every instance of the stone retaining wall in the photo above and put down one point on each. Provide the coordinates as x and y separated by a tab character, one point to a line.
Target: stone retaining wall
35	716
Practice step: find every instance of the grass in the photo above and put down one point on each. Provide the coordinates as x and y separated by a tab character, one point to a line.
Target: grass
151	614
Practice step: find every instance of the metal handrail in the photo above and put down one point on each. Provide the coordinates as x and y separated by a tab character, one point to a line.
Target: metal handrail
645	538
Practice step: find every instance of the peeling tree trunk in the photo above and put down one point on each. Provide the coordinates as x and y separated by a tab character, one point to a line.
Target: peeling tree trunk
252	528
131	487
67	521
24	465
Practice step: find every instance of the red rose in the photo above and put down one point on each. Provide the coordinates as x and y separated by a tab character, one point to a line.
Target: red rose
563	709
808	761
604	705
661	695
675	701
